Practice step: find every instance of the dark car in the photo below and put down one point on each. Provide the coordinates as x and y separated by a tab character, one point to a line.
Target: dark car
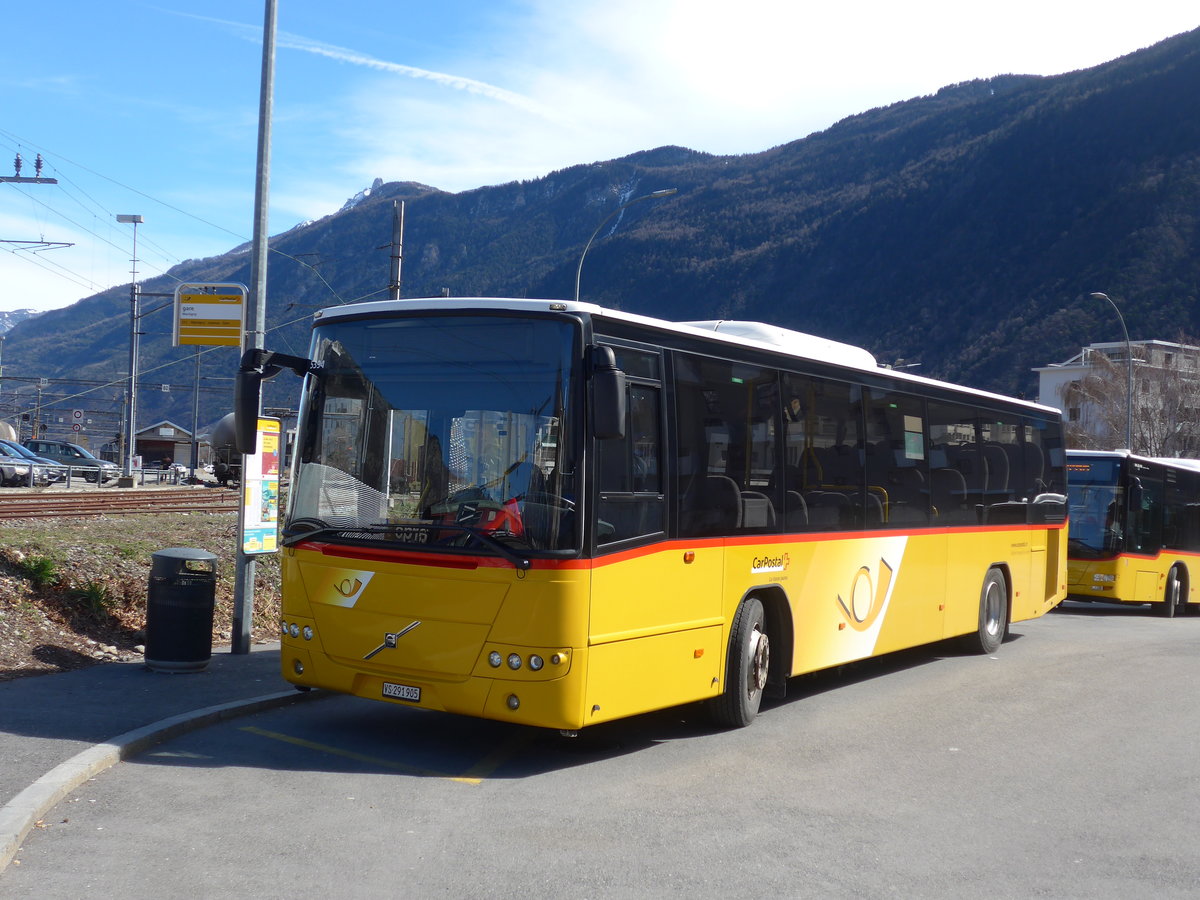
79	459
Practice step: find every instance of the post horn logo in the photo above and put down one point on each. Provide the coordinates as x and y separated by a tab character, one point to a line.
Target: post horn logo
867	596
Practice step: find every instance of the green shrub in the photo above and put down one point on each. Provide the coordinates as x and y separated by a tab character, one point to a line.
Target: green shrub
40	570
93	597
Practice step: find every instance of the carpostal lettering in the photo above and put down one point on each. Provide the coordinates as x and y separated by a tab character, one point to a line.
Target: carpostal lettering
769	564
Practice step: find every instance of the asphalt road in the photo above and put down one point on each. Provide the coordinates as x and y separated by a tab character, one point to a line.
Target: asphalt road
1063	766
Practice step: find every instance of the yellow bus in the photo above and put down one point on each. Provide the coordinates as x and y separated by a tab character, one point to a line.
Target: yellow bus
1135	530
556	514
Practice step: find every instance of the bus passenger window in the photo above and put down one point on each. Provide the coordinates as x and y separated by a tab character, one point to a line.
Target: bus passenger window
629	472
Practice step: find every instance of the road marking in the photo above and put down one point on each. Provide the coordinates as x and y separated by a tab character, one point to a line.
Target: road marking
376	761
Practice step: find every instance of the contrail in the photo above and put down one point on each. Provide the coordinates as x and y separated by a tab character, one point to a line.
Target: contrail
342	54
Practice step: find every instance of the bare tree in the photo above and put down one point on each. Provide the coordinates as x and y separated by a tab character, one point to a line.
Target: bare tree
1166	401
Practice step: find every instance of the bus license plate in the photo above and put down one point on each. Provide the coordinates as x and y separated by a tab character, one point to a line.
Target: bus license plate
401	691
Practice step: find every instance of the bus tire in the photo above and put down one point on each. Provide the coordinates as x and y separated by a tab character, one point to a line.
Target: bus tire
1171	595
993	614
745	669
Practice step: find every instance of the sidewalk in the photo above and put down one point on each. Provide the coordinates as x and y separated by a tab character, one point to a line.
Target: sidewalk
56	731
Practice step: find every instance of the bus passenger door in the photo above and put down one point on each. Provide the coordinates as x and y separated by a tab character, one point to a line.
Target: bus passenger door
655	624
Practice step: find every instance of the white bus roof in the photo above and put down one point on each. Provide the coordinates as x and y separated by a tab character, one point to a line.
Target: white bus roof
746	334
1177	462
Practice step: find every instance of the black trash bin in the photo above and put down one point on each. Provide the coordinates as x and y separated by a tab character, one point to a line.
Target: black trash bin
179	610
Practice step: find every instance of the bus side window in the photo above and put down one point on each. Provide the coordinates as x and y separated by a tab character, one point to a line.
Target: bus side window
629	471
897	467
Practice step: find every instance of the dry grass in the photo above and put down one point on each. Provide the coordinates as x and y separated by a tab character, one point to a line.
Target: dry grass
73	591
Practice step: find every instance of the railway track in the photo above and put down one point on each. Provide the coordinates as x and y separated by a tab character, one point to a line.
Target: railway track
85	504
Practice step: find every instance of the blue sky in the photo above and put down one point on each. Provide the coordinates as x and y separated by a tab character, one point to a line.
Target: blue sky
152	108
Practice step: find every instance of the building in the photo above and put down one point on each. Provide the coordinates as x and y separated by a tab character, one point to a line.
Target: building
161	440
1091	390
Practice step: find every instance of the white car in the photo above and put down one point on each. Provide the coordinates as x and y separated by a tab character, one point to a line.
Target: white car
14	472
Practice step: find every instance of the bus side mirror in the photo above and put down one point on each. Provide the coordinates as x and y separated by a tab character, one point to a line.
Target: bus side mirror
1136	495
259	366
608	394
247	399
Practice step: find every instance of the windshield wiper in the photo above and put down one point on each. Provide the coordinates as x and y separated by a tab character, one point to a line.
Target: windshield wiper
488	540
308	528
303	529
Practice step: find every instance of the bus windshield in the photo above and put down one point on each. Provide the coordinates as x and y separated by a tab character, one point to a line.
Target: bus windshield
1097	501
445	430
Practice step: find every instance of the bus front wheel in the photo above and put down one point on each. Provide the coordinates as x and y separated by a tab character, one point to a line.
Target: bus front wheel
746	668
993	614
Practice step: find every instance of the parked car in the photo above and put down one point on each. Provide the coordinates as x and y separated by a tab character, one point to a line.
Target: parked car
14	472
55	471
92	468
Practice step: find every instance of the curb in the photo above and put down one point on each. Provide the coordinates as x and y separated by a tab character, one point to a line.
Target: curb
19	816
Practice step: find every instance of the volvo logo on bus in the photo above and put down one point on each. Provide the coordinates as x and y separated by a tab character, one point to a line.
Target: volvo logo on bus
390	638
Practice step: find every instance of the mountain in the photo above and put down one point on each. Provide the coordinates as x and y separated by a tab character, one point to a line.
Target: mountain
964	229
8	320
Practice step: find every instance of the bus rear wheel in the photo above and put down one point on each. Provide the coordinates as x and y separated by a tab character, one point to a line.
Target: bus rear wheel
1171	596
746	668
993	614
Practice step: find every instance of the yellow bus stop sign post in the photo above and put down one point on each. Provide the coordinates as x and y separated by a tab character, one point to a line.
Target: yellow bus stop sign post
211	315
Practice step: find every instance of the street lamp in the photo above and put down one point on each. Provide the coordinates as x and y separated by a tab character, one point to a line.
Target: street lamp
655	195
1128	372
131	422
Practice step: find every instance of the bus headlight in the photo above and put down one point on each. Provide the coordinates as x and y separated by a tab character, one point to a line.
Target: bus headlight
495	659
536	662
514	661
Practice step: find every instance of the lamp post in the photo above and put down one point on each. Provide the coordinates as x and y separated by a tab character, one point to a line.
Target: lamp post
655	195
1128	371
131	420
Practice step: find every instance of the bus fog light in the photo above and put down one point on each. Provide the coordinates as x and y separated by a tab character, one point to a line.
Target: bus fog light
513	701
536	662
494	659
514	661
294	630
557	659
308	632
297	667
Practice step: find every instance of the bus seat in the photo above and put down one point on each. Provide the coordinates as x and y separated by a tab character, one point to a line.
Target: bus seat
721	505
1035	463
795	511
758	512
969	460
948	489
997	467
874	507
827	509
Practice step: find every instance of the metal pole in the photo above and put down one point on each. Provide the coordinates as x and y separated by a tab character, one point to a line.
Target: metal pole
131	420
1128	372
196	416
243	587
397	248
651	196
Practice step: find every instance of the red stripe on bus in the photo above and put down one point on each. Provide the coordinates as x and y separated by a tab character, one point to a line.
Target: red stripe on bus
455	561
